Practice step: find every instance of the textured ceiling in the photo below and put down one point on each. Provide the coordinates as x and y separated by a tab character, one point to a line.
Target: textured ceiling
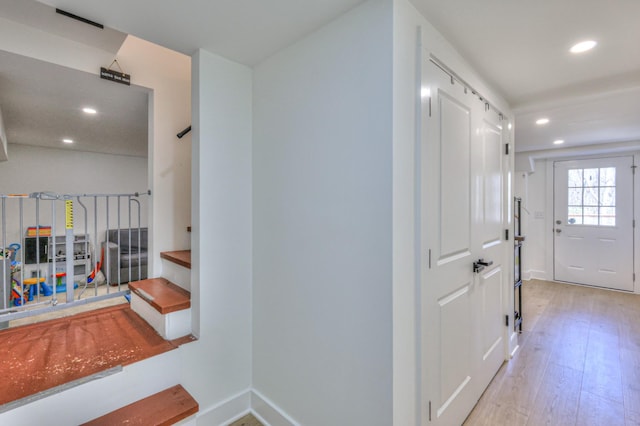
42	104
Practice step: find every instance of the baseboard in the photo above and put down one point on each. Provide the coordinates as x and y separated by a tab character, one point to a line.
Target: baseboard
268	413
533	274
227	411
513	344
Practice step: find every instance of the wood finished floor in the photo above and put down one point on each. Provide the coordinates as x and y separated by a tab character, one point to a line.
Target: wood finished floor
248	420
578	361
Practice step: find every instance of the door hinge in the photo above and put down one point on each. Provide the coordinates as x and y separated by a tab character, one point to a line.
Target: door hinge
633	169
429	258
429	106
634	277
634	223
506	235
429	410
506	320
506	149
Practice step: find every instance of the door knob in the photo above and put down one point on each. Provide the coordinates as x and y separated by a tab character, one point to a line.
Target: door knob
558	231
480	264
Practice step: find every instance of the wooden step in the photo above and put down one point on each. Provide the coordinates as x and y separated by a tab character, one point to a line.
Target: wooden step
163	408
181	257
163	295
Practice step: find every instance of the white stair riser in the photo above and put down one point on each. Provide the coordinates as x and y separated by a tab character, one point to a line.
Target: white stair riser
169	326
177	274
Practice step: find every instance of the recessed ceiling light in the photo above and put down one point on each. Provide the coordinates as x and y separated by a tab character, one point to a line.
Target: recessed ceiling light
542	121
89	110
583	46
67	140
558	142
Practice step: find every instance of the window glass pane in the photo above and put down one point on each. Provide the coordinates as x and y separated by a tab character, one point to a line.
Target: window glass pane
608	176
590	216
575	216
607	197
607	216
575	196
590	177
575	178
591	196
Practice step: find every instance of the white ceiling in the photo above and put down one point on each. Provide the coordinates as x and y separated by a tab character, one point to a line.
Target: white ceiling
520	47
42	104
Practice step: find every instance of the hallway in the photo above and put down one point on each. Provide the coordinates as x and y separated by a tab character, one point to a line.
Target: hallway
578	361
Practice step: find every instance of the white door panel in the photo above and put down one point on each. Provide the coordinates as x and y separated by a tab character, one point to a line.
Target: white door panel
593	222
455	365
489	244
454	144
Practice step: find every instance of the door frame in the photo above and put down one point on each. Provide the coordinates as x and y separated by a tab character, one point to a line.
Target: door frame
549	209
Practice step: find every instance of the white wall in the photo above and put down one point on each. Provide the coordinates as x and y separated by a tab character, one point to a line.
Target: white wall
219	364
36	169
168	73
322	160
536	225
3	139
405	149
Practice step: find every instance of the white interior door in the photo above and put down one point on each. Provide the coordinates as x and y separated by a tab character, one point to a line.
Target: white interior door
593	222
461	222
488	238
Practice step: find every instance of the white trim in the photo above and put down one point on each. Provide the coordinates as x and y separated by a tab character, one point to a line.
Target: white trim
226	411
549	218
268	412
514	350
534	274
636	230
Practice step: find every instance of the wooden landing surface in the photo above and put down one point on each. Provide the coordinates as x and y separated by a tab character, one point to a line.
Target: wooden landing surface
163	408
37	357
180	257
163	295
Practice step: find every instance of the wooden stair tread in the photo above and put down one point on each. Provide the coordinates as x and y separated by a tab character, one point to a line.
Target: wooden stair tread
180	257
163	408
163	295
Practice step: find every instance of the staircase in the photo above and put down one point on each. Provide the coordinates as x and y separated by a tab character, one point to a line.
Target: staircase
128	393
165	304
163	408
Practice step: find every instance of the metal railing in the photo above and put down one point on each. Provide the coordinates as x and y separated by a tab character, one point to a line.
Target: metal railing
63	250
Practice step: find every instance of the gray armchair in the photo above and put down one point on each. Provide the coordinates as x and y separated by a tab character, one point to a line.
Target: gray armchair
126	255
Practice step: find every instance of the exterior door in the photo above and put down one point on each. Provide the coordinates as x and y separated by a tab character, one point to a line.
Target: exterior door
593	222
461	208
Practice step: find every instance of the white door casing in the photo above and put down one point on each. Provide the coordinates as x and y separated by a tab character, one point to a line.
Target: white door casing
593	222
461	207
